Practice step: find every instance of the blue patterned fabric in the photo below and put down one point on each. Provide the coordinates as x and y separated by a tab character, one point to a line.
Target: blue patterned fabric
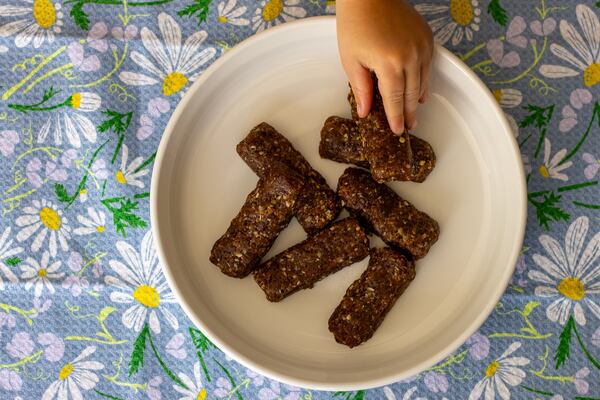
87	87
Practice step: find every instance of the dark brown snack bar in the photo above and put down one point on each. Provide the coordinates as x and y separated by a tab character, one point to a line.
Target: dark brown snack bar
389	155
341	142
267	211
392	218
306	263
318	205
368	300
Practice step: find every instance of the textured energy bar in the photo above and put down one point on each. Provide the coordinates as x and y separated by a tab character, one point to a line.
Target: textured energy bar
267	211
368	300
392	218
389	155
306	263
318	204
341	142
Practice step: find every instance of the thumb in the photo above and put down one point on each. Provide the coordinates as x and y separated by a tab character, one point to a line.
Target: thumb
362	86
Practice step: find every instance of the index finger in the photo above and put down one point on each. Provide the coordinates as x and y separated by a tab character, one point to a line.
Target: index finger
392	86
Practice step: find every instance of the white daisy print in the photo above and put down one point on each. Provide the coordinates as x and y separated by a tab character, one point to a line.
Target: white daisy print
7	254
552	167
72	124
39	275
196	391
228	13
273	12
454	21
130	174
75	376
586	57
499	373
509	98
31	21
47	220
141	284
172	66
568	273
95	222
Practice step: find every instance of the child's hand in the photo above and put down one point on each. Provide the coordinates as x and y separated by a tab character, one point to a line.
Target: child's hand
392	39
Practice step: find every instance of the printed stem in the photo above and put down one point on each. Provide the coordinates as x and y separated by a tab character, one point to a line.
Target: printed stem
536	60
16	200
96	258
586	205
24	108
118	63
233	384
108	396
169	373
141	195
146	162
584	349
34	71
585	135
15	186
537	391
30	359
524	140
481	64
85	176
113	378
23	313
117	148
119	2
521	336
561	379
47	149
459	358
47	75
91	339
563	189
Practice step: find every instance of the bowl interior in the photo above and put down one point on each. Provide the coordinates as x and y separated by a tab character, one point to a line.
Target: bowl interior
291	78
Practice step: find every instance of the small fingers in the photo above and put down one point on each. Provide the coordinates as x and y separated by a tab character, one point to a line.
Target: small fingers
362	86
391	87
424	83
412	92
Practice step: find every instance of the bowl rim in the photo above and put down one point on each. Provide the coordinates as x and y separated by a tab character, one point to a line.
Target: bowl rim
486	309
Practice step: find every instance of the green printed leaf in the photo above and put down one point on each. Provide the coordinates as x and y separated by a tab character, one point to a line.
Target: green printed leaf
117	122
123	214
137	355
79	16
231	380
547	210
538	116
108	396
529	307
13	261
61	193
497	12
563	350
164	366
201	343
198	8
537	391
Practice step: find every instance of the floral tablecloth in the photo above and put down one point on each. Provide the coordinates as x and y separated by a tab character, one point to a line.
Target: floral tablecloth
86	89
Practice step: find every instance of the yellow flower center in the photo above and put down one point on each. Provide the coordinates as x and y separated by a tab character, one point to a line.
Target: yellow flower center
461	11
42	272
222	19
173	83
497	94
272	9
591	75
544	172
120	177
50	218
44	13
147	296
100	228
491	369
571	288
82	192
76	100
201	395
65	372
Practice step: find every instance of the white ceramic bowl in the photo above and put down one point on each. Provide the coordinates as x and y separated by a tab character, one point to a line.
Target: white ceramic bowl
290	76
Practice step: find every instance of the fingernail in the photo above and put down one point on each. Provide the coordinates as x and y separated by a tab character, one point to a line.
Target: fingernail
414	125
397	126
